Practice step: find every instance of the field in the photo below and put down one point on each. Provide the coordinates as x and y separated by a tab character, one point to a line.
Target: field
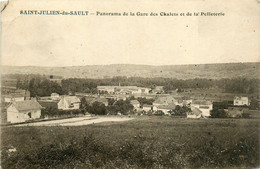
145	142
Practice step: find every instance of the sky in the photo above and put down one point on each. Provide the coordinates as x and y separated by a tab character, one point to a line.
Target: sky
34	40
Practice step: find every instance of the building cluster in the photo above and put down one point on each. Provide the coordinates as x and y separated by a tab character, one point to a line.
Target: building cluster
234	108
124	90
21	107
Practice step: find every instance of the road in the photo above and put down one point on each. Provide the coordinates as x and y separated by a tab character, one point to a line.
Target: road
78	121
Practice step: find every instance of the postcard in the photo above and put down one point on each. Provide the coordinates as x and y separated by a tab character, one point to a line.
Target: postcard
130	84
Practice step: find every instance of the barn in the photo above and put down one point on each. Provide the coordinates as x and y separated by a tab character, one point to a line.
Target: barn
22	111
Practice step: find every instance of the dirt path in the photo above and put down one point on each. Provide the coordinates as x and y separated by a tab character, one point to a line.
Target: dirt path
77	121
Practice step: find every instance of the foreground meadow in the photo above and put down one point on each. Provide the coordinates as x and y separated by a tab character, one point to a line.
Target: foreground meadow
145	142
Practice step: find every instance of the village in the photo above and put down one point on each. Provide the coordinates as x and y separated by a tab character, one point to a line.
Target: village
130	84
131	101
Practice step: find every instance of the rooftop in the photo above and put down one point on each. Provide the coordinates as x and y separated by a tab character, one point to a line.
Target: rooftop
27	105
71	99
201	102
134	102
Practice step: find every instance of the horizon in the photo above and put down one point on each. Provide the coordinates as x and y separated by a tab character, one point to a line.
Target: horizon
136	64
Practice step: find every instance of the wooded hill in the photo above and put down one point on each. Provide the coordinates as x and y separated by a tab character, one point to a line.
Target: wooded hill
209	71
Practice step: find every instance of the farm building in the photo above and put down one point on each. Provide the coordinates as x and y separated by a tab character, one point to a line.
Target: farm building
147	107
16	95
55	96
121	97
195	114
158	90
135	103
69	103
165	100
108	89
241	101
123	89
48	104
13	97
166	108
23	110
204	106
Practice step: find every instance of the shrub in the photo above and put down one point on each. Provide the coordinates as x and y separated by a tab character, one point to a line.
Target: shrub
97	108
218	113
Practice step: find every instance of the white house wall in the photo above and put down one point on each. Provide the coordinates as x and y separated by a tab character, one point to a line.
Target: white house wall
64	105
14	116
61	104
16	99
205	111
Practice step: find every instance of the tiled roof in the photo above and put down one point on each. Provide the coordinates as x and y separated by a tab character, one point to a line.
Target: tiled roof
71	99
196	111
146	105
135	102
27	105
169	106
14	95
201	102
165	100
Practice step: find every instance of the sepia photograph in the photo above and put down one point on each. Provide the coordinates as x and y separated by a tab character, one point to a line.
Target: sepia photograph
151	84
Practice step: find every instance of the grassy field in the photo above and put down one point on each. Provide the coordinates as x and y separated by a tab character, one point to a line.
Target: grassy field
145	142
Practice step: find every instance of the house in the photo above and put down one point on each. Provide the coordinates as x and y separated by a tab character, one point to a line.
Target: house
121	97
204	106
123	90
147	107
166	108
55	96
108	89
135	103
158	90
13	97
237	111
132	90
187	103
16	95
46	104
69	103
22	111
195	114
241	101
165	100
144	90
180	102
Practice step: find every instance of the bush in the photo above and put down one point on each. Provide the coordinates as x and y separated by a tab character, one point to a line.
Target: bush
181	111
140	152
218	113
52	112
245	115
122	106
97	108
159	113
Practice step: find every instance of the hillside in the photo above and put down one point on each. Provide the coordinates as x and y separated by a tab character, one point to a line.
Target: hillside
210	71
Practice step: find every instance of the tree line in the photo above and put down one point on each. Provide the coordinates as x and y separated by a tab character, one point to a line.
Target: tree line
40	86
